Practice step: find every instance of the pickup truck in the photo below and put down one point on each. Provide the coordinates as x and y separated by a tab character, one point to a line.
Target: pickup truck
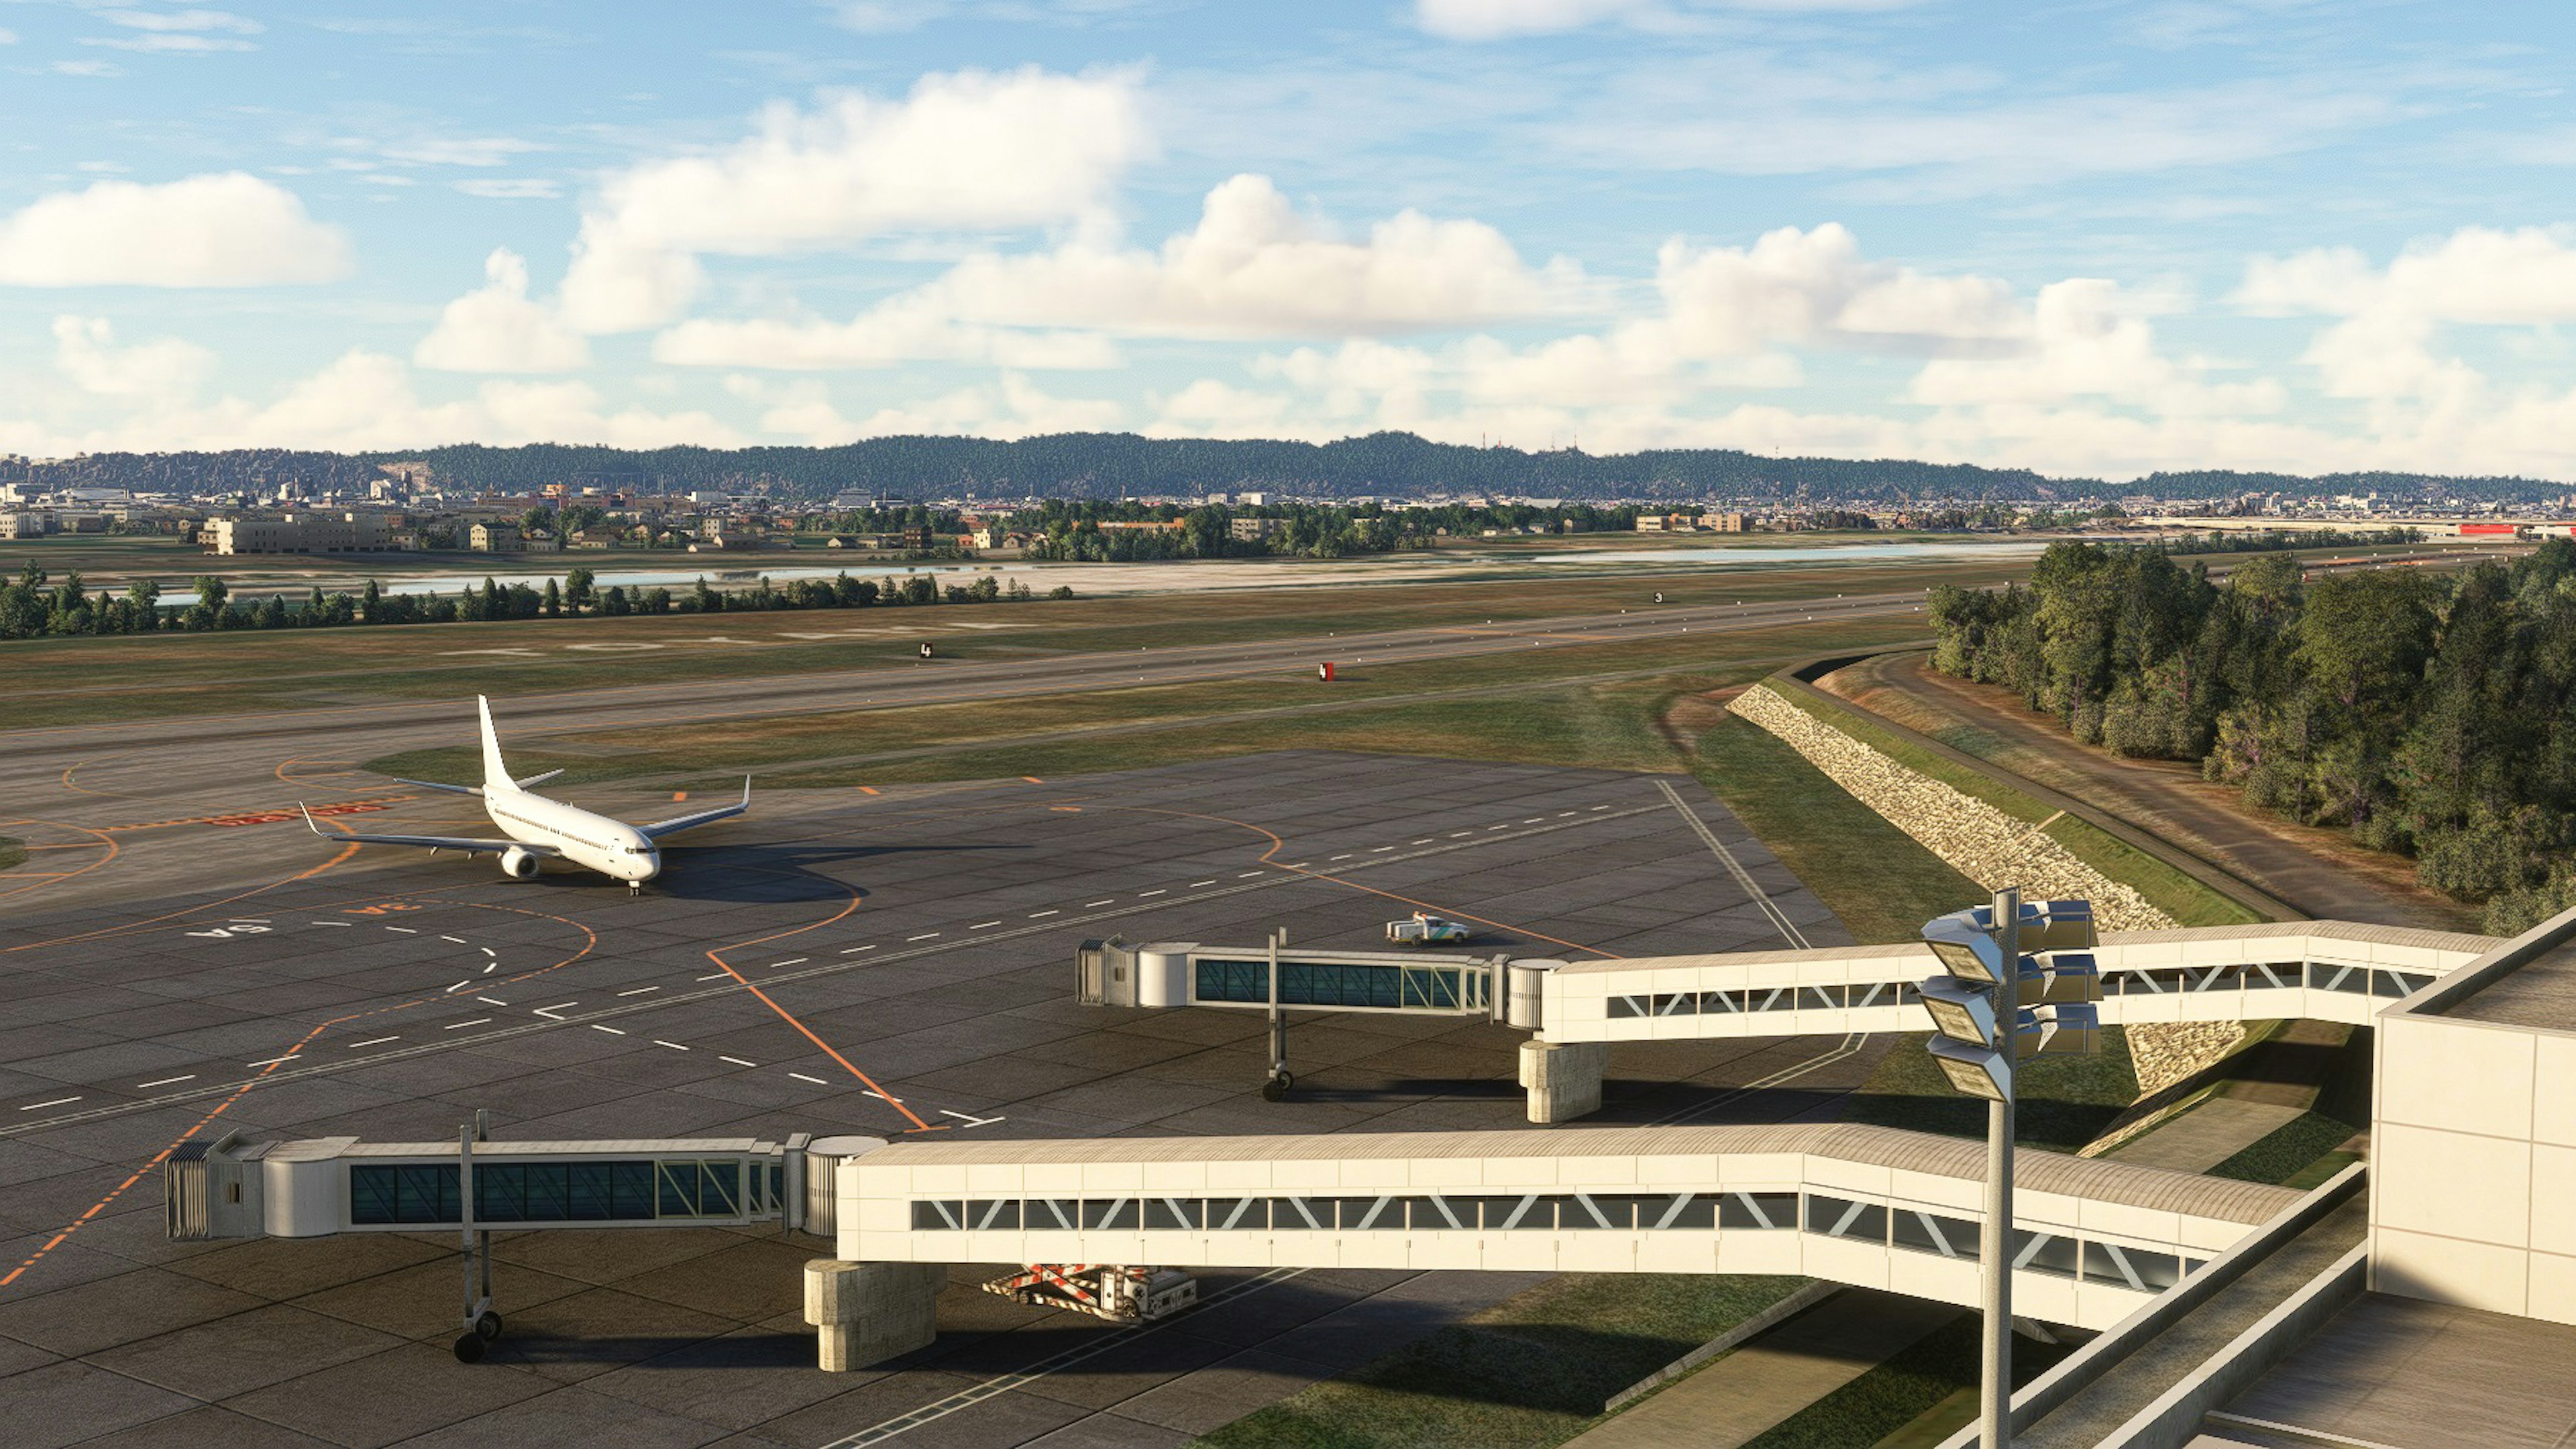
1425	929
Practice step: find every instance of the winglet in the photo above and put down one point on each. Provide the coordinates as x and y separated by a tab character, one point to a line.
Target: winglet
746	792
308	817
496	776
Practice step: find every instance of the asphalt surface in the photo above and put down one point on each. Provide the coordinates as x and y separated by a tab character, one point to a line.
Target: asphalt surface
250	978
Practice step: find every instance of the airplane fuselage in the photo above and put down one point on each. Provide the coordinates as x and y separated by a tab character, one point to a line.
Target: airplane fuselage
595	842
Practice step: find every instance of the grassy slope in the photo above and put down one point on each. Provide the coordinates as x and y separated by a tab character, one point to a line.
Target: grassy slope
1893	1395
13	852
1875	877
1529	1372
2176	894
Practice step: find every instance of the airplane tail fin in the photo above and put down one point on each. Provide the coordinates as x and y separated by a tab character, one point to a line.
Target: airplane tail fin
496	776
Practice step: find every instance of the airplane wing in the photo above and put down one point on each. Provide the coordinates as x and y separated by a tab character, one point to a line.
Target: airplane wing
433	842
677	823
476	790
434	785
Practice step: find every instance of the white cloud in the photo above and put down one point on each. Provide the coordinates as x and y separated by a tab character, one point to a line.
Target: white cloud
511	188
963	152
170	43
182	21
1504	19
365	400
1253	267
2091	341
168	369
1009	407
903	330
219	230
97	69
462	151
497	328
8	37
1496	19
1814	286
2476	276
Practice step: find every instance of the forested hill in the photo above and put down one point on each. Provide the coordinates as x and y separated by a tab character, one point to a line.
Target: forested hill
1111	465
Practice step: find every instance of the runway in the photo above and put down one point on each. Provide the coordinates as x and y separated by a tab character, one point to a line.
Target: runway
886	964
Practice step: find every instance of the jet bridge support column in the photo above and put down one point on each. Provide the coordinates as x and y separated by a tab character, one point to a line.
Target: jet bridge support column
867	1313
1563	1078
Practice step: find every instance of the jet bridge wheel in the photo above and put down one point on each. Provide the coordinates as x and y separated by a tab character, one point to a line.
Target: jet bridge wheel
488	1327
1276	1089
469	1348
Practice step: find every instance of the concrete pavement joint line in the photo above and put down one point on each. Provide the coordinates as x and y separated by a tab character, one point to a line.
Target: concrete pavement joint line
1734	867
1849	1046
969	1397
319	1068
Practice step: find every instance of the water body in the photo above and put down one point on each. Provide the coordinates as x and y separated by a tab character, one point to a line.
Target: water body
1176	575
1817	553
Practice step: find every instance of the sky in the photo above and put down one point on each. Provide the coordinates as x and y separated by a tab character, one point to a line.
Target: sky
2088	237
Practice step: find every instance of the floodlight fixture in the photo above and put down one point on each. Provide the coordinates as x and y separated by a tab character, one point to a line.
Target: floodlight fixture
1973	1070
1966	950
2057	1031
1960	1011
2048	925
2064	980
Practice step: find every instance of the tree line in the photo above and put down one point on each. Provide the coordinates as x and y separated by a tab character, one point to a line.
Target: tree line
2427	714
1111	465
32	606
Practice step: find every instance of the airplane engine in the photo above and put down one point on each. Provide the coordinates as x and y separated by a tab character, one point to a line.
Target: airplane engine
518	864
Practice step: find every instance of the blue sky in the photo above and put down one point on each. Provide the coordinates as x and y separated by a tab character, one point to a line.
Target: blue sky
2092	237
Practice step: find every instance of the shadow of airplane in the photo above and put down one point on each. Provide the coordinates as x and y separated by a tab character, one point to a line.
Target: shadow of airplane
754	874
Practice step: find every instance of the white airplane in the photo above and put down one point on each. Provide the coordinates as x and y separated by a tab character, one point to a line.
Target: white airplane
540	829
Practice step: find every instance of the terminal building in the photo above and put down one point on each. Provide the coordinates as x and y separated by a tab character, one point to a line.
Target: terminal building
2397	1302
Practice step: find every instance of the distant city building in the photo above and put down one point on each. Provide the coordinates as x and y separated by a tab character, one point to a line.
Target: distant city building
26	525
1257	530
352	532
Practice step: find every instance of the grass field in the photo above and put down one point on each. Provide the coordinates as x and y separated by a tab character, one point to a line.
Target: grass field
1439	707
2301	1152
1894	1396
78	680
13	852
2178	895
2064	1102
1528	1373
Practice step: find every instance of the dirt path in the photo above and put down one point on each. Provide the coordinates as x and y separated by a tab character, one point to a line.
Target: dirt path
2319	871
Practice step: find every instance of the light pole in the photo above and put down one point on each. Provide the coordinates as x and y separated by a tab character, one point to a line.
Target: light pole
1996	1007
1994	1380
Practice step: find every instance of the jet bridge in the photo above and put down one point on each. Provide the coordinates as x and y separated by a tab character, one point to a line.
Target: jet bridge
1851	1204
2339	971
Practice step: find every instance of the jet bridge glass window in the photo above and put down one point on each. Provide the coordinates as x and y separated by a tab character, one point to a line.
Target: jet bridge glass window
548	1192
1947	1237
2133	1268
1757	1211
1835	1217
2052	1255
1335	984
